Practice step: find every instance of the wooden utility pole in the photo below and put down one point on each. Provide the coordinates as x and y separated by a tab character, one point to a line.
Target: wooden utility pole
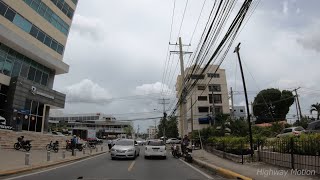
213	121
246	96
183	123
191	114
232	107
297	97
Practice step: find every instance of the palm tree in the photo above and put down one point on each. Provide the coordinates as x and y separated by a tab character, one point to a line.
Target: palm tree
315	107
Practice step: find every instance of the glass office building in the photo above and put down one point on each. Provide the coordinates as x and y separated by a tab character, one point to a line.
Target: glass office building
33	36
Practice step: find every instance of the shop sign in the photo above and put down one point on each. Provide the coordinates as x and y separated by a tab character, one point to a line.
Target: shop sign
34	91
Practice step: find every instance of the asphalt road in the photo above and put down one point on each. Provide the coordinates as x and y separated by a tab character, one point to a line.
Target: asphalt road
102	167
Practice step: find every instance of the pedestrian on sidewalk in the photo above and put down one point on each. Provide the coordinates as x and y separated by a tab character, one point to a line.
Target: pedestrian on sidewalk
109	144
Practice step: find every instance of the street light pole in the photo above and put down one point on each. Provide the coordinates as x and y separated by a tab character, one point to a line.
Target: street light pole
246	97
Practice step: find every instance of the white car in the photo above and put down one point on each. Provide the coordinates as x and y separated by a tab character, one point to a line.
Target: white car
2	121
125	148
154	148
173	141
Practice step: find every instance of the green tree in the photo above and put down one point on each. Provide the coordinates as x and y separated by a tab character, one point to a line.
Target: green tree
303	122
128	130
239	127
315	107
272	105
170	126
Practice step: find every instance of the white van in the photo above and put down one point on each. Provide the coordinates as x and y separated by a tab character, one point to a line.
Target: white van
2	121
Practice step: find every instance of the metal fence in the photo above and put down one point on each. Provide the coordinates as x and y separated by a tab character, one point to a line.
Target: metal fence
289	152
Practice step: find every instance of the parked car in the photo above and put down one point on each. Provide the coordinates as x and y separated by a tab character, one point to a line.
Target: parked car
2	121
173	141
155	147
313	127
125	148
57	133
296	131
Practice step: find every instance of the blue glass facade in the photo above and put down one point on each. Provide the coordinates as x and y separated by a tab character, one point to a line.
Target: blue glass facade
43	10
64	7
15	64
30	28
75	2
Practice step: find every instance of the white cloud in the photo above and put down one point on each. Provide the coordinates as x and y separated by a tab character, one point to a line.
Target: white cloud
310	39
285	7
298	10
155	88
89	26
87	91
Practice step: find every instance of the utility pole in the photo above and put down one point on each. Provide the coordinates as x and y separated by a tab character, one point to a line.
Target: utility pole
164	119
297	97
232	107
138	130
191	114
246	96
295	101
213	121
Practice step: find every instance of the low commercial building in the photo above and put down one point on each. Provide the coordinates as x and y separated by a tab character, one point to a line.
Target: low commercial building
105	125
239	112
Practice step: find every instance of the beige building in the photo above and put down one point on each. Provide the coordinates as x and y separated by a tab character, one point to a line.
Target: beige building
152	132
33	37
201	96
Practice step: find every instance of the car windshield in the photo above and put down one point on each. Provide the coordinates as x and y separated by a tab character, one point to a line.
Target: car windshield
124	143
155	143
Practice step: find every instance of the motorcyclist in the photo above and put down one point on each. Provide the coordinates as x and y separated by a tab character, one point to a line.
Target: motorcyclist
185	143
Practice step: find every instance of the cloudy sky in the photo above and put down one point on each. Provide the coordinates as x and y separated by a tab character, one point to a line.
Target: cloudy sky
117	50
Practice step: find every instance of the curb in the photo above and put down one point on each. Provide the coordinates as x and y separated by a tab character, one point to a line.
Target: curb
36	167
224	172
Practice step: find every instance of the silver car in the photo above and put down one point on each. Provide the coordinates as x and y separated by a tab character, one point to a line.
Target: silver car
125	148
295	131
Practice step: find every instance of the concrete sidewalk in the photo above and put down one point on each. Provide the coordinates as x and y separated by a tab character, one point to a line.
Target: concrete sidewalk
254	170
12	160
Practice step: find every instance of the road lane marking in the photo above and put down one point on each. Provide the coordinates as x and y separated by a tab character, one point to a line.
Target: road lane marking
196	169
131	166
25	175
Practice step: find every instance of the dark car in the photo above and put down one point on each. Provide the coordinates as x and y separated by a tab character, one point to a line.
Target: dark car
313	127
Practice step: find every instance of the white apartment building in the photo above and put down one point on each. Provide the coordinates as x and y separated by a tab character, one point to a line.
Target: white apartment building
152	132
201	96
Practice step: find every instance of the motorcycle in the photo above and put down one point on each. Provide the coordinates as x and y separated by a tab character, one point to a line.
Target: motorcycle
53	146
69	145
24	144
175	151
188	154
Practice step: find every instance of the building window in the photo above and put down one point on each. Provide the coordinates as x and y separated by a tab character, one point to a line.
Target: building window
197	76
14	64
241	110
75	2
217	98
10	14
7	67
49	15
32	73
215	88
34	119
218	109
213	75
203	109
201	87
64	7
22	23
202	98
28	27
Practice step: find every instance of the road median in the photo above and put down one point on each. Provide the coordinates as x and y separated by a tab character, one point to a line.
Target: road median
221	171
46	165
